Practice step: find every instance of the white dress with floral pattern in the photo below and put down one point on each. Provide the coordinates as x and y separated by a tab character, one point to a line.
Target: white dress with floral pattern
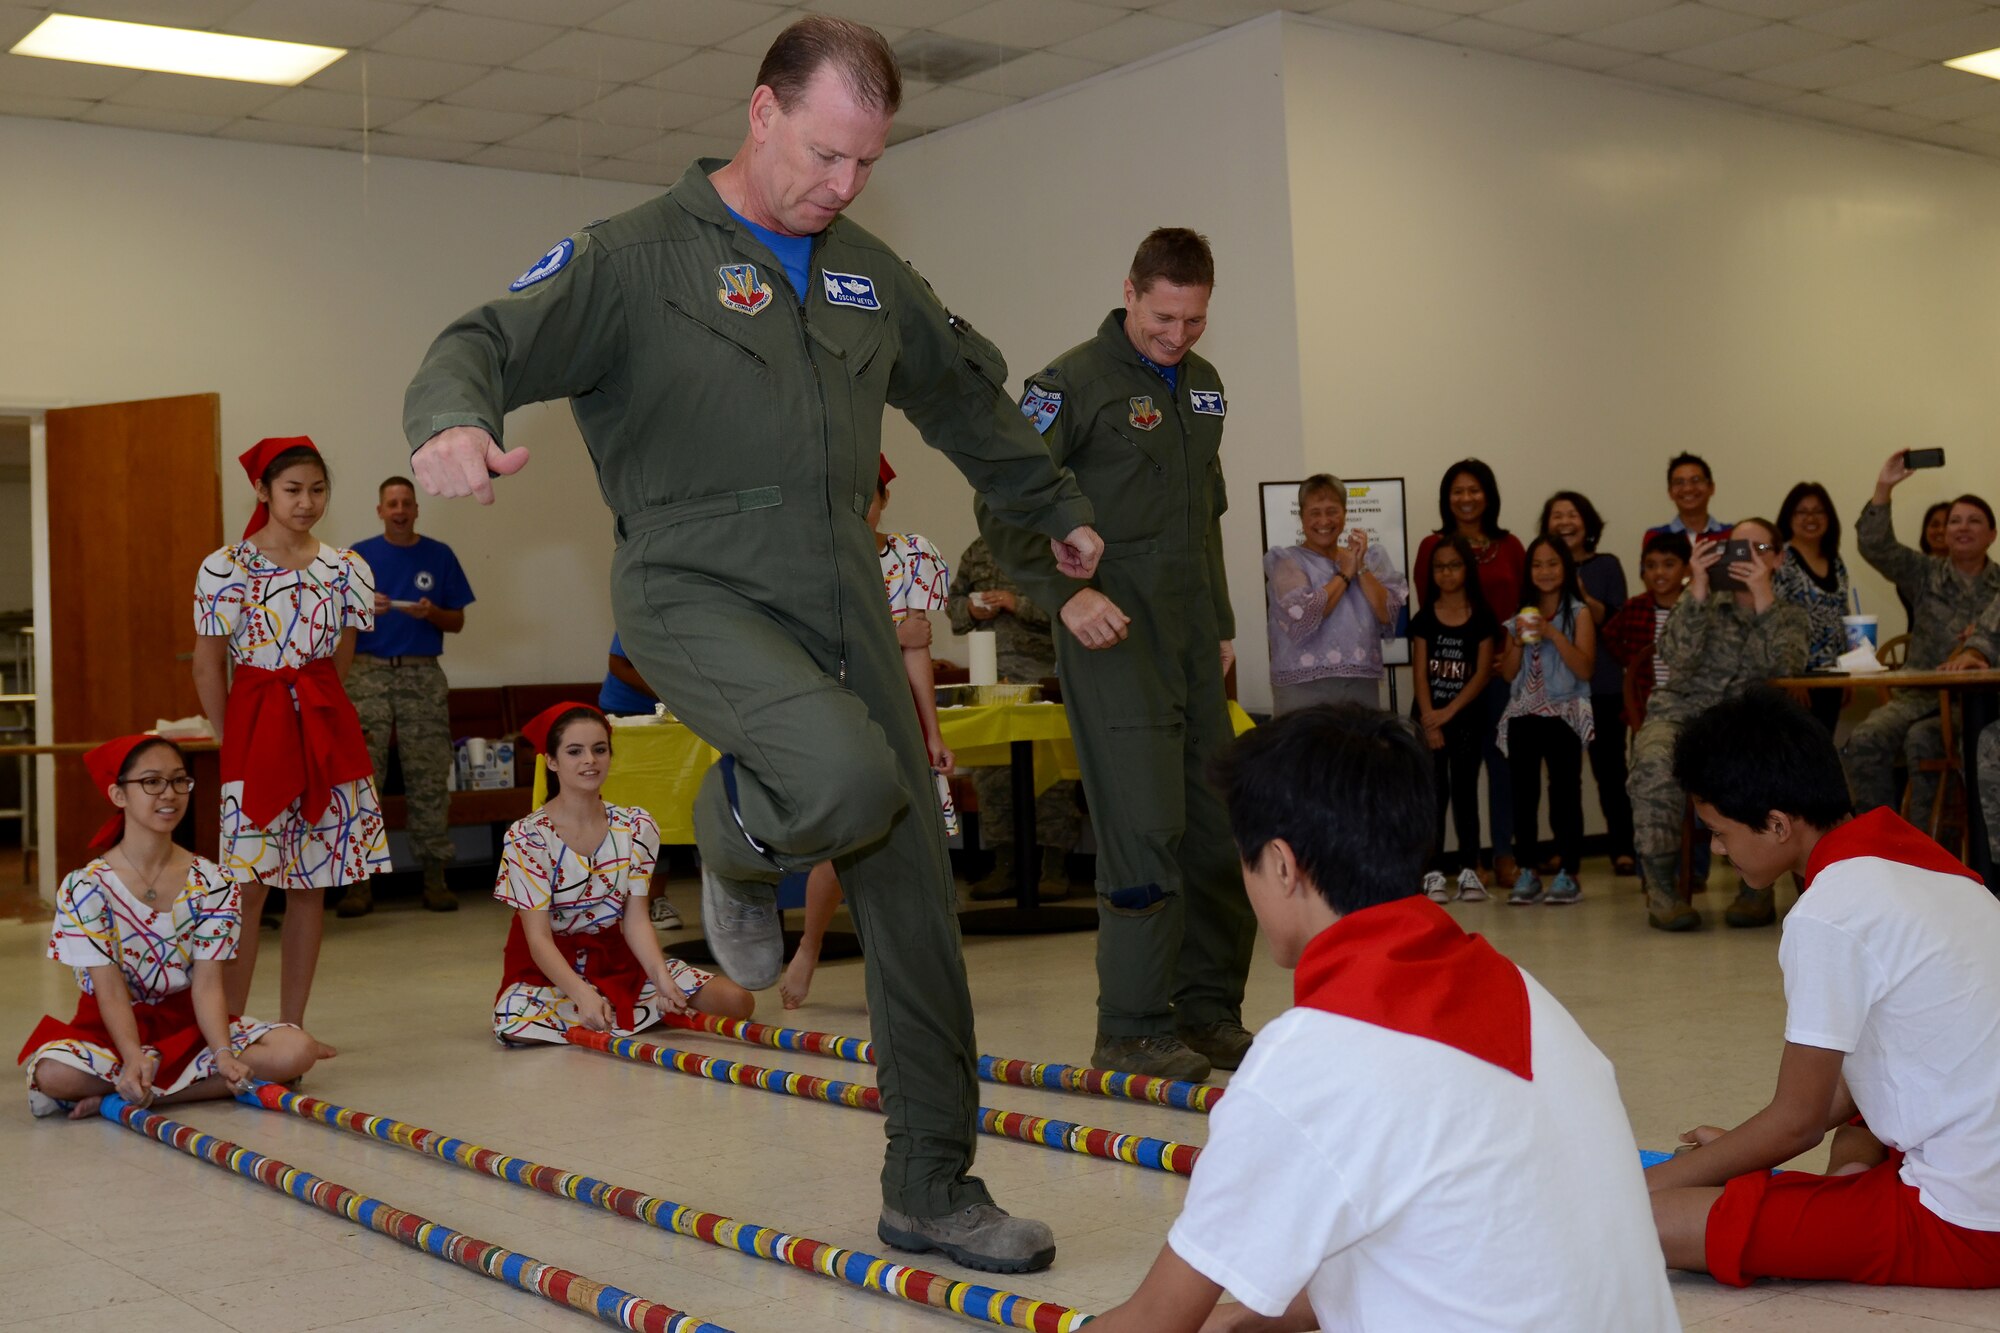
276	617
99	922
583	896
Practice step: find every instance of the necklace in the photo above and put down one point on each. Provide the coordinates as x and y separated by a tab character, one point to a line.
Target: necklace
151	891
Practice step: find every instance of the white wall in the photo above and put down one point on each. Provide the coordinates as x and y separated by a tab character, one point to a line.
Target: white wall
303	285
1025	222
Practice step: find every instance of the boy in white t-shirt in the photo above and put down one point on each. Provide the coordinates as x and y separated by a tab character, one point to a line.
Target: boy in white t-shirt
1426	1140
1892	1032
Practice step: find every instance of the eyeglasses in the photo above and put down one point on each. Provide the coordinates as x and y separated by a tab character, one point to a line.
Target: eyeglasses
1762	548
155	786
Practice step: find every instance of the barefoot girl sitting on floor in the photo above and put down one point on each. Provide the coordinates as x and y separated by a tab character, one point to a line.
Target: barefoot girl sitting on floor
575	955
147	926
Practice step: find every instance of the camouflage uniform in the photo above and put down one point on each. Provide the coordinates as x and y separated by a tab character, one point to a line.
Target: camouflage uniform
1027	654
408	698
1945	602
1985	640
1711	649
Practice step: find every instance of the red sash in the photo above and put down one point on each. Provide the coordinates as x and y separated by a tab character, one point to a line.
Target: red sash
603	959
169	1027
1883	833
283	753
1407	966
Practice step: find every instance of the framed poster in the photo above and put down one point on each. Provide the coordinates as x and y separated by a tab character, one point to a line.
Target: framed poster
1374	505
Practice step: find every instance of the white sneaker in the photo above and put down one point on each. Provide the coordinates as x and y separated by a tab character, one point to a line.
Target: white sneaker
662	913
1470	890
1436	887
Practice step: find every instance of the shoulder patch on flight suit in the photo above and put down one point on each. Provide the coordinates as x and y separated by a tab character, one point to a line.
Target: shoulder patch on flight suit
1208	402
1040	406
850	289
742	290
1144	415
547	266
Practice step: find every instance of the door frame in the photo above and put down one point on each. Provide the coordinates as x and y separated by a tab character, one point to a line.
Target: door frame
36	411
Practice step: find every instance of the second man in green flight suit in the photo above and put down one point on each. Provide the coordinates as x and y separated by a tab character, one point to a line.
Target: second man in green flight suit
1137	417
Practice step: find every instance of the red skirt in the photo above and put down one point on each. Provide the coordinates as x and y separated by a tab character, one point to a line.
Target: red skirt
603	959
168	1027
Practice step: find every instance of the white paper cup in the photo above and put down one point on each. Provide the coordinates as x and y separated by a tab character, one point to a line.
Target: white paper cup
475	750
1860	630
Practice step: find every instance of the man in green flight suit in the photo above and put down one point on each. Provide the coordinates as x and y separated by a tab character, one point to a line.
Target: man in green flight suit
728	349
1138	418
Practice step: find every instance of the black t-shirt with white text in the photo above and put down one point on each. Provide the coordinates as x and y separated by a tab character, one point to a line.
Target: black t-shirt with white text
1451	651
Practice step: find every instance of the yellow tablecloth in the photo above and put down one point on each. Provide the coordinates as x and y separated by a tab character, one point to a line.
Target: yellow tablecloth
659	766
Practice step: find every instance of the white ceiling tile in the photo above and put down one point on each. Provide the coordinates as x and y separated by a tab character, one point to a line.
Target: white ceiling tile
674	153
684	22
209	97
33	76
654	108
473	124
1912	85
348	23
1033	74
517	90
1749	92
1225	13
441	34
1947	40
323	108
901	133
1387	16
601	56
1133	37
1485	36
731	124
949	106
710	73
1663	73
154	118
1580	55
170	13
1982	99
1847	65
1984	124
1760	48
1562	18
1674	29
1778	10
1958	136
47	108
894	13
1883	121
589	138
16	22
639	173
416	145
534	11
1869	19
510	158
1033	24
300	136
1465	7
395	76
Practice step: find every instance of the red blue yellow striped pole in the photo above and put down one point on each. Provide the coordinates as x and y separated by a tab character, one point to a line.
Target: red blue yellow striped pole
1061	1135
618	1308
850	1266
1172	1092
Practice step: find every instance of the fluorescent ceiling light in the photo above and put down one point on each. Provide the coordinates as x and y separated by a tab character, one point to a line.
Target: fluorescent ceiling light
1980	62
208	55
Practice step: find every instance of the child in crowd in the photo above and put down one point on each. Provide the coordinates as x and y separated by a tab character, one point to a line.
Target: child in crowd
148	926
1632	634
1453	635
1421	1087
916	581
299	809
1891	960
574	953
1548	657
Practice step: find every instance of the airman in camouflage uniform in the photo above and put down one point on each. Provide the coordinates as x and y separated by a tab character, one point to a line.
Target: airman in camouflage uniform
1027	653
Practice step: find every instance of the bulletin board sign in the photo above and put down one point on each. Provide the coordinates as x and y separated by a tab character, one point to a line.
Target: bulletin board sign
1374	505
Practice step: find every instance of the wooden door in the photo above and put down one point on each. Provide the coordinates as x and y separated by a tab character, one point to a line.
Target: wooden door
135	504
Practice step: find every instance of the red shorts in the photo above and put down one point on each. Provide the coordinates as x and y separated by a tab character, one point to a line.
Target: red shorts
1868	1227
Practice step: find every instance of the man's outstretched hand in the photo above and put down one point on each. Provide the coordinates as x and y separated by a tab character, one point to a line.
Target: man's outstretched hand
1077	554
462	460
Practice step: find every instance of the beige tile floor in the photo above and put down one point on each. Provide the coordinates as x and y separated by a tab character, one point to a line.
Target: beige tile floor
100	1229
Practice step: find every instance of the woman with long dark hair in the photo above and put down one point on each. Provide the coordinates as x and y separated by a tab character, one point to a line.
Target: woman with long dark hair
1573	520
1815	577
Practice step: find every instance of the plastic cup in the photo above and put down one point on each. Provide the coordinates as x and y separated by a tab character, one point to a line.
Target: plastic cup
1860	630
1528	625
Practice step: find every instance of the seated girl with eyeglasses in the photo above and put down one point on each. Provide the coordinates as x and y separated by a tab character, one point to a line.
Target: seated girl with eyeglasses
147	926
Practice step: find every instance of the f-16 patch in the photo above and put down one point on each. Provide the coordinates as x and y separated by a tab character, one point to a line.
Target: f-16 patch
1040	406
850	289
742	290
1144	415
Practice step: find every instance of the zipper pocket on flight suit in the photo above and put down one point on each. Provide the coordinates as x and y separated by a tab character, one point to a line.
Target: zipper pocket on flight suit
710	329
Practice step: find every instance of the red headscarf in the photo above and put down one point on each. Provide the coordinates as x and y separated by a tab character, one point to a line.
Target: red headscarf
883	472
536	730
104	762
258	457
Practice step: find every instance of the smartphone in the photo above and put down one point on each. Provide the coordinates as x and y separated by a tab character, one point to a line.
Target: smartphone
1719	577
1916	458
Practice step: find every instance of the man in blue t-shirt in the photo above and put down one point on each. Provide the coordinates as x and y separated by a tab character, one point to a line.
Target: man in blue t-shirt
398	687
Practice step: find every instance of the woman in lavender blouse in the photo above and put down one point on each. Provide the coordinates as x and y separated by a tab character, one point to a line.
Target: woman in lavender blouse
1331	602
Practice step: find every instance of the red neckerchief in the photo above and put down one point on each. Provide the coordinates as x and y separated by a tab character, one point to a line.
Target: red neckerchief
284	752
1885	834
168	1027
603	959
1407	966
